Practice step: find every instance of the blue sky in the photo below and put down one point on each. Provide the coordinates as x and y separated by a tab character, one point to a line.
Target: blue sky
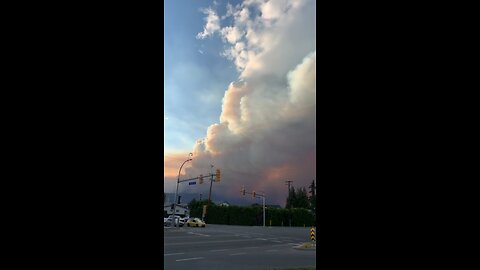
195	75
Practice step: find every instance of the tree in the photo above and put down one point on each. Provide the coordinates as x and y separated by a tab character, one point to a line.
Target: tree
313	198
292	198
298	198
302	199
192	204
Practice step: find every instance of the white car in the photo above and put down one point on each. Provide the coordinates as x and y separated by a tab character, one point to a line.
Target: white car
169	221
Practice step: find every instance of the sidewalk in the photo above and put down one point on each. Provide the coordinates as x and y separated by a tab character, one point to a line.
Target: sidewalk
306	246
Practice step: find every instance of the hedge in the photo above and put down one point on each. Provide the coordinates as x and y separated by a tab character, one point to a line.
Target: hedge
253	215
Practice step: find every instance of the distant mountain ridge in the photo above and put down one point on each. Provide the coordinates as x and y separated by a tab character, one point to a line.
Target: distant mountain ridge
188	197
185	197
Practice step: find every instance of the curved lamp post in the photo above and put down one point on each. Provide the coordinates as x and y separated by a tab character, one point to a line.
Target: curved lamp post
176	191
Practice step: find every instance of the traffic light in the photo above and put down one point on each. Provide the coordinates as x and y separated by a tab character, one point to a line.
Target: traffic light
201	179
179	199
217	175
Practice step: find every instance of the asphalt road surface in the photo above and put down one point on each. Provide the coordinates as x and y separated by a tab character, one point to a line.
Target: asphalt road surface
236	247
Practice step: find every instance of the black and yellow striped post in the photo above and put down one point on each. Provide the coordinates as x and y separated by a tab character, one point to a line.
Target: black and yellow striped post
312	234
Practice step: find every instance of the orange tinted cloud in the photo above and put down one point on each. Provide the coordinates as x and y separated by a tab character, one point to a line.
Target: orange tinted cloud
277	173
172	163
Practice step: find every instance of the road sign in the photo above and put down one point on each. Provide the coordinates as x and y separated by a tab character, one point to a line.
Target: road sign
312	234
192	183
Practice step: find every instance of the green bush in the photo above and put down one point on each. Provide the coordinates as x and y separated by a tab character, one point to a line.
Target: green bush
252	215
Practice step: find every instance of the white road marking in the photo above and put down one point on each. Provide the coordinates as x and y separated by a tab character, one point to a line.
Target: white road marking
271	250
276	241
173	254
279	245
250	247
215	250
198	234
261	239
235	254
293	239
188	259
207	242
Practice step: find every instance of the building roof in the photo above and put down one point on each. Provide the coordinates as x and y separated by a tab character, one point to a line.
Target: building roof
177	205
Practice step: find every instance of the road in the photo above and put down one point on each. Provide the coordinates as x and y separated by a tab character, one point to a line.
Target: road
236	247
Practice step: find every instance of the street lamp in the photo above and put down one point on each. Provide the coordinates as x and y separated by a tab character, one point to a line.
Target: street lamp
176	191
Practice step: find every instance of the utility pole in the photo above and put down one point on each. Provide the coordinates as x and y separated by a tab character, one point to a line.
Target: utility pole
312	188
288	193
209	193
288	183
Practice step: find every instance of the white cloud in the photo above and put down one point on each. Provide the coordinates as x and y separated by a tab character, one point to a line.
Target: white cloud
242	15
274	9
253	2
302	81
276	26
231	34
266	131
212	24
230	11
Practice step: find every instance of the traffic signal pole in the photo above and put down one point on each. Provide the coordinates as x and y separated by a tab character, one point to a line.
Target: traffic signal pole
217	179
263	197
211	181
255	195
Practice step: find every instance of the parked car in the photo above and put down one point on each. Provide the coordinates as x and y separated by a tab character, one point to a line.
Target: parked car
195	222
169	221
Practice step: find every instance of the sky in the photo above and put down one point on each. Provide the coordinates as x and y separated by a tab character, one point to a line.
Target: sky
239	93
